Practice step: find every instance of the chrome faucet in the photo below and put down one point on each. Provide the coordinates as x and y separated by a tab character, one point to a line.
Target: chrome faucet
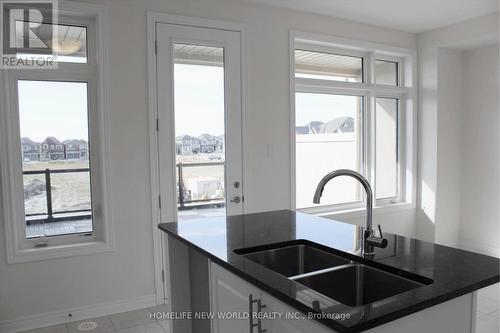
369	240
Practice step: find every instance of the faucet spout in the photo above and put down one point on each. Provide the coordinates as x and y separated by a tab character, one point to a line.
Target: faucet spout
359	178
369	240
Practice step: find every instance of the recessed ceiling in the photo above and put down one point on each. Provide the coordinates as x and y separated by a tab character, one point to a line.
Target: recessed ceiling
407	15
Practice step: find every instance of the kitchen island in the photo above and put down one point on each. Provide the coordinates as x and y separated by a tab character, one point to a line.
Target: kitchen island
409	286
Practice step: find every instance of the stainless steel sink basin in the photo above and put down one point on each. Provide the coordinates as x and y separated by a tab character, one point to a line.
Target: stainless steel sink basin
344	277
294	260
357	284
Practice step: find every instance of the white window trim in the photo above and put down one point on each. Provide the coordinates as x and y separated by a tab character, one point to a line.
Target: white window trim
407	64
12	203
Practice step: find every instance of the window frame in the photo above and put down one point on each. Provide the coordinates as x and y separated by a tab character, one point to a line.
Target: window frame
363	140
94	74
404	92
399	153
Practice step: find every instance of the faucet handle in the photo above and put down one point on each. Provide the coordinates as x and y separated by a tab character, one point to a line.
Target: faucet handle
377	241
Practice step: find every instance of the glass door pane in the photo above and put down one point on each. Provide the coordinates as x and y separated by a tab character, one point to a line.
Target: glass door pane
199	130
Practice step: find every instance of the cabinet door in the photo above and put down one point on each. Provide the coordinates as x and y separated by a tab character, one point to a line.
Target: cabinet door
290	322
229	294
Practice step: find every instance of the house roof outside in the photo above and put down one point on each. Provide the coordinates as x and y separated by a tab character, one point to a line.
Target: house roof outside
74	142
311	127
28	141
186	137
314	126
342	124
208	137
52	140
301	130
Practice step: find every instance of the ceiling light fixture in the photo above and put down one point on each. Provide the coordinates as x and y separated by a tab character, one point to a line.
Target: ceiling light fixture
66	46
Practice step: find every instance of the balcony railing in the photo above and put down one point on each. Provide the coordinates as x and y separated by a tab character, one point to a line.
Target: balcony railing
184	195
51	215
185	198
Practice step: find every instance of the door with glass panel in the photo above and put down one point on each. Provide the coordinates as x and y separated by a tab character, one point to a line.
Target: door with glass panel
199	121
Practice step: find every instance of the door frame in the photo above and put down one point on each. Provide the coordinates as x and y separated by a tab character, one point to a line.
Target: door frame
160	256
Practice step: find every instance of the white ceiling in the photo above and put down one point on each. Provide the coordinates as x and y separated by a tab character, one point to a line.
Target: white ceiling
407	15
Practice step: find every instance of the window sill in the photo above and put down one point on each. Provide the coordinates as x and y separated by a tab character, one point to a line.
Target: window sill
357	212
58	251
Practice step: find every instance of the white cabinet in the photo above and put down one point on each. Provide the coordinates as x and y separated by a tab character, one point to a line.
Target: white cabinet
288	322
230	296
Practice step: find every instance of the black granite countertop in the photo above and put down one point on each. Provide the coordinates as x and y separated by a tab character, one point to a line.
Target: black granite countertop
454	272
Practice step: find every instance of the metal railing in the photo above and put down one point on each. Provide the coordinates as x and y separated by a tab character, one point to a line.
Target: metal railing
48	195
184	196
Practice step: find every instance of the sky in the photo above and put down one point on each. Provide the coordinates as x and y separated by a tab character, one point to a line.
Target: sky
56	109
199	99
199	102
59	109
323	107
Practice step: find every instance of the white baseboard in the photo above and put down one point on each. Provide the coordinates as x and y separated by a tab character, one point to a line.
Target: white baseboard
79	313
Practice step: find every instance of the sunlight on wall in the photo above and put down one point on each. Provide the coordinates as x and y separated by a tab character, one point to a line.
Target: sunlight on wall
428	202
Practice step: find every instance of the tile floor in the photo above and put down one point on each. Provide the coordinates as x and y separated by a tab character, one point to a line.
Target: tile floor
488	305
138	321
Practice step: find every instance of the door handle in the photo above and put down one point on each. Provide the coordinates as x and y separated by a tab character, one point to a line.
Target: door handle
251	300
236	199
260	306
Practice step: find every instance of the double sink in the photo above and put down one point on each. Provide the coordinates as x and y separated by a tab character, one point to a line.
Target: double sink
335	274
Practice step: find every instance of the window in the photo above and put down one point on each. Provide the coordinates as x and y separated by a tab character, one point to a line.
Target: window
71	45
57	196
58	181
318	65
327	126
386	151
348	116
386	72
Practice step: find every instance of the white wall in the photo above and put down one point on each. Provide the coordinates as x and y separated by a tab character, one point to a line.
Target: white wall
427	141
449	134
127	273
480	218
441	99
